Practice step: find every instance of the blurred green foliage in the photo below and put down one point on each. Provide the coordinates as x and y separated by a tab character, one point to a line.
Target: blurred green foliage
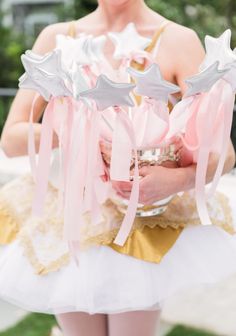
11	47
32	325
185	331
205	16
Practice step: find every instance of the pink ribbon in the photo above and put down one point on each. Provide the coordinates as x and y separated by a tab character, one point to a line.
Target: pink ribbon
77	165
31	139
200	121
154	135
85	166
225	119
90	197
204	123
117	158
76	183
201	129
42	170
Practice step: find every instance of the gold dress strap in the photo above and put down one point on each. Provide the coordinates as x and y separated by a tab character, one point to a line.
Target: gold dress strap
72	31
157	35
149	49
152	45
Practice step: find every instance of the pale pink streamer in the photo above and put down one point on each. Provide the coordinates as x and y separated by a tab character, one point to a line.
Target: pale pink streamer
205	135
45	149
90	75
200	129
180	115
90	196
64	145
77	166
195	119
42	171
74	187
31	139
128	220
161	110
226	111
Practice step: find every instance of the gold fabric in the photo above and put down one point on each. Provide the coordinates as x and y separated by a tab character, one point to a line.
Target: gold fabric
72	29
149	244
152	237
9	224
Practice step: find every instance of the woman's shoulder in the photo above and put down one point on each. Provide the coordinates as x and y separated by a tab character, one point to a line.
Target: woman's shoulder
181	44
46	41
177	36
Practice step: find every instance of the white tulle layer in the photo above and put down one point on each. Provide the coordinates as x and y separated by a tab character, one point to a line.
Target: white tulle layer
109	282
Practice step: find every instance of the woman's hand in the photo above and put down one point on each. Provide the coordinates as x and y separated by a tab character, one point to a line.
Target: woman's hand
156	183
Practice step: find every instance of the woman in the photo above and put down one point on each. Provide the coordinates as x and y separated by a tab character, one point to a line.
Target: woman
179	56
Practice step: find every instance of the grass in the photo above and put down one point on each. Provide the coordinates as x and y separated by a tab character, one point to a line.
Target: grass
185	331
32	325
41	325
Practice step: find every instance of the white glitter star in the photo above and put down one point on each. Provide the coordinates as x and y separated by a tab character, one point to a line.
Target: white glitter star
72	49
218	49
83	50
128	41
94	48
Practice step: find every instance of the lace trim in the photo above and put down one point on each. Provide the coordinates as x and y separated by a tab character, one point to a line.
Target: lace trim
173	218
39	268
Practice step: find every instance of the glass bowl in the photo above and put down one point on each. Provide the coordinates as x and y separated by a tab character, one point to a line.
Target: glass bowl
160	156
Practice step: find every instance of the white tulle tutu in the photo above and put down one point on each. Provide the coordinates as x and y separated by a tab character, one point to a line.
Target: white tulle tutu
109	282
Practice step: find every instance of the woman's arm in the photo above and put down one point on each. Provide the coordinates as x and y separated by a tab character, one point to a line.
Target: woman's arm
14	140
185	53
190	56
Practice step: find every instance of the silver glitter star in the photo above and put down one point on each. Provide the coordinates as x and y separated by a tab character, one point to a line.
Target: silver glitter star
218	49
204	81
230	77
26	82
128	41
151	84
107	93
45	74
50	63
